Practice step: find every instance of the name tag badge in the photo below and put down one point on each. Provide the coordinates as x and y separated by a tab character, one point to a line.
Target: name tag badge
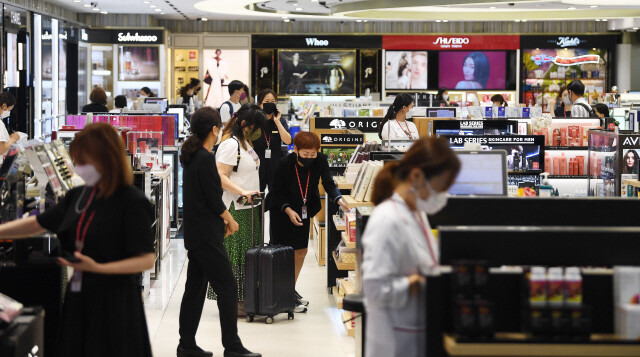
305	214
267	154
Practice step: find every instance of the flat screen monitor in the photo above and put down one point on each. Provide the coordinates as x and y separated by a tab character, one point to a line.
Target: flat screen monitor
163	102
482	173
406	70
328	72
441	112
180	110
472	70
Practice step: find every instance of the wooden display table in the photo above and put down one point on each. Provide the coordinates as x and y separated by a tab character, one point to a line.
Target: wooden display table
342	183
597	348
353	203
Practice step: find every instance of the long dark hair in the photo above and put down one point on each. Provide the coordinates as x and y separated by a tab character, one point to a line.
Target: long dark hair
432	155
263	93
482	67
202	122
440	95
402	100
248	115
636	157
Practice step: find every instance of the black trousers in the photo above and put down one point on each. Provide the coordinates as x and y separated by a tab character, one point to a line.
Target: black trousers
210	263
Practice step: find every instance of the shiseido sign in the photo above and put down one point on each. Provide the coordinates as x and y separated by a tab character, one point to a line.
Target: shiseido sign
364	124
451	42
342	139
150	37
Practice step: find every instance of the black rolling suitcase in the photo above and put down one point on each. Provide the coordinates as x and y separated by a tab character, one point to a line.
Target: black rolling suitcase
269	280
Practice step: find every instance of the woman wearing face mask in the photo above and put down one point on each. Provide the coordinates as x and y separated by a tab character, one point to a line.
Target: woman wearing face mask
442	98
395	126
206	222
108	224
295	197
399	248
276	132
238	166
186	98
7	101
563	104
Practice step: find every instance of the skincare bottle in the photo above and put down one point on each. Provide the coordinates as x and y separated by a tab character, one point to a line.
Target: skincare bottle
547	163
538	287
546	190
555	294
563	165
573	286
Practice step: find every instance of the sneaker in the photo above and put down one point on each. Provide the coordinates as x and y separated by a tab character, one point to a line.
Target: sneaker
300	309
300	300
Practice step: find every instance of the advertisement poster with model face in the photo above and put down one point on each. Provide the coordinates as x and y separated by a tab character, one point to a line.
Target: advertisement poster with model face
406	70
223	66
139	63
473	69
316	72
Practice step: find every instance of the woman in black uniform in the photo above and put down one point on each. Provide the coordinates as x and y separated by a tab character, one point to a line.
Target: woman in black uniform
206	223
108	225
296	199
276	132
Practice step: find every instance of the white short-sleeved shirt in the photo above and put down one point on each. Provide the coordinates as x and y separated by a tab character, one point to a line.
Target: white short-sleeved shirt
224	111
247	176
4	134
398	130
578	111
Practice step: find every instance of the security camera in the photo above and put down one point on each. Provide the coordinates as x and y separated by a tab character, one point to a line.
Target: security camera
512	4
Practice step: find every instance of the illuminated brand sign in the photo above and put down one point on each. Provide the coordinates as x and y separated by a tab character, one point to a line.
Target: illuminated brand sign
631	141
136	37
342	139
568	42
47	36
565	61
364	124
471	124
316	43
63	36
84	36
452	41
15	18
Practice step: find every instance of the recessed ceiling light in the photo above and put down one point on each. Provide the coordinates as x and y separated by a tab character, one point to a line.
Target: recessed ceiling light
445	20
605	20
492	7
314	0
286	20
597	20
516	20
298	9
295	4
285	17
158	10
152	6
87	5
358	20
103	12
571	8
96	9
593	6
366	20
635	28
524	20
146	2
77	0
438	20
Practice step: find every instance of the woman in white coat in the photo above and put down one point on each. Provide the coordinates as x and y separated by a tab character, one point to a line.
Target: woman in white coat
395	125
399	249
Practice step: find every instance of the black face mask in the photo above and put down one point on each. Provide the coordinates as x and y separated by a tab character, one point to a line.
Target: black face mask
306	162
269	108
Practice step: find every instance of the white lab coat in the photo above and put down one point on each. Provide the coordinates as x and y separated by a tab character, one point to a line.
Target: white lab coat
394	248
397	132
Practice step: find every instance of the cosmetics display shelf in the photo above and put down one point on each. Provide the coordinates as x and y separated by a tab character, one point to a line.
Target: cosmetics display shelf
351	331
634	183
336	297
566	148
342	184
343	266
347	242
569	177
339	222
514	344
352	203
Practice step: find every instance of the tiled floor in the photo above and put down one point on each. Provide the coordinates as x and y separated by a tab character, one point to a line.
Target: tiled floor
316	333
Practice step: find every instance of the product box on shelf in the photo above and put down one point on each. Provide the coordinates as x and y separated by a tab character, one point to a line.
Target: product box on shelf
350	219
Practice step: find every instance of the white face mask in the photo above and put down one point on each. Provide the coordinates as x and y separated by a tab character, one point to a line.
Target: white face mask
567	100
446	97
409	114
5	114
435	203
89	174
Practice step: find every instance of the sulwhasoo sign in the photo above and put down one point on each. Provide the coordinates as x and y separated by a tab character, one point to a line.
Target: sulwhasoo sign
136	37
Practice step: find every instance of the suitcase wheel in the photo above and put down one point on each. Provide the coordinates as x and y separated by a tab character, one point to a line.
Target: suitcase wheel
291	316
268	320
250	318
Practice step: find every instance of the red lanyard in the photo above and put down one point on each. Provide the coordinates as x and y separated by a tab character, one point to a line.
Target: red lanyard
81	238
268	140
408	132
423	226
304	195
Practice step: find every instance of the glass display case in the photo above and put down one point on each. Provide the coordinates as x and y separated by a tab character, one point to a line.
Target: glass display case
613	158
102	70
147	148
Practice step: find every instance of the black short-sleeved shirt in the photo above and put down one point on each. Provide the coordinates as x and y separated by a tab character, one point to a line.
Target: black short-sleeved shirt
268	166
120	229
95	108
202	200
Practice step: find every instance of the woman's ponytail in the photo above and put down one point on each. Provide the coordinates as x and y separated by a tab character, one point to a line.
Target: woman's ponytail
189	148
391	114
385	183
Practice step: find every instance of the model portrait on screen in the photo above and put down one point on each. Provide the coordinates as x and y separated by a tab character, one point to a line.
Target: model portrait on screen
475	68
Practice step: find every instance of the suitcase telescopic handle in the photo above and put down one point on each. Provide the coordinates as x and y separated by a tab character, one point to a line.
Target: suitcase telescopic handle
253	200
